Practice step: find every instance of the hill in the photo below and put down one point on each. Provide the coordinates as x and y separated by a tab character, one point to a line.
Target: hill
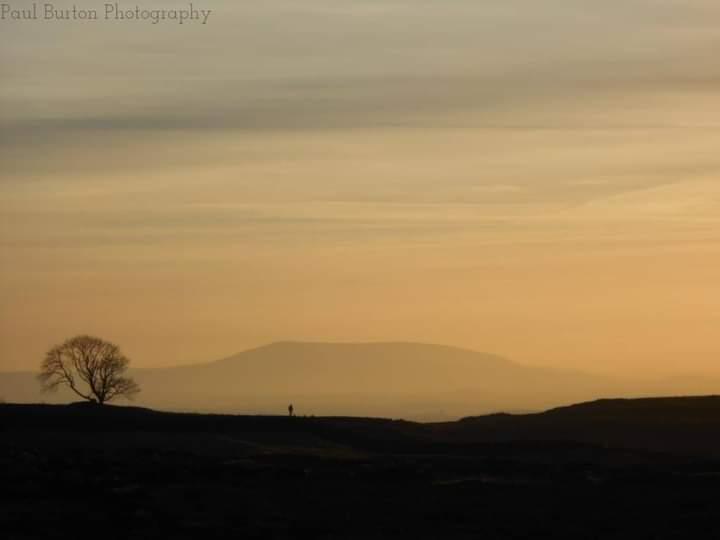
615	468
406	380
684	425
400	380
681	425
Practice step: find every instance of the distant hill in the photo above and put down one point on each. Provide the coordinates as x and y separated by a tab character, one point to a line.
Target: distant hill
400	380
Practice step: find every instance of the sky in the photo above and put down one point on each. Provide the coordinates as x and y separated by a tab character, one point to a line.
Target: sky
532	179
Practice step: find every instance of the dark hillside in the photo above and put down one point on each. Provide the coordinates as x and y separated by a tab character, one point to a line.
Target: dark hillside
68	471
684	425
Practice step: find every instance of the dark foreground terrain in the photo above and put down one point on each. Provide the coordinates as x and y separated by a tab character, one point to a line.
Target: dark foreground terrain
608	469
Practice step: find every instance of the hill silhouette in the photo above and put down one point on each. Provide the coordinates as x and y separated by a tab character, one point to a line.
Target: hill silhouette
685	425
676	425
402	380
367	379
630	469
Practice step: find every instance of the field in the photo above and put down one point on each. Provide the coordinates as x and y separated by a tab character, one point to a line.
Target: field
118	472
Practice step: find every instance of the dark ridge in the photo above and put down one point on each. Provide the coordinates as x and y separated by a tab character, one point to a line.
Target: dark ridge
608	467
685	426
680	425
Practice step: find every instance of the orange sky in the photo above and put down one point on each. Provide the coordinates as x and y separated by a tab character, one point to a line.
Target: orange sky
538	183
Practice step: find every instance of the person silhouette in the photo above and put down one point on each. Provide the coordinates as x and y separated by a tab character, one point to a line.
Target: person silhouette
291	409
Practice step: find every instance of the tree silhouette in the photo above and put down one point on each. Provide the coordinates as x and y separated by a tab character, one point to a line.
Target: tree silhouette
90	367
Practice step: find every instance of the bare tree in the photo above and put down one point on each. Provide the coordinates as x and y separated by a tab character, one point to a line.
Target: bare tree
90	367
